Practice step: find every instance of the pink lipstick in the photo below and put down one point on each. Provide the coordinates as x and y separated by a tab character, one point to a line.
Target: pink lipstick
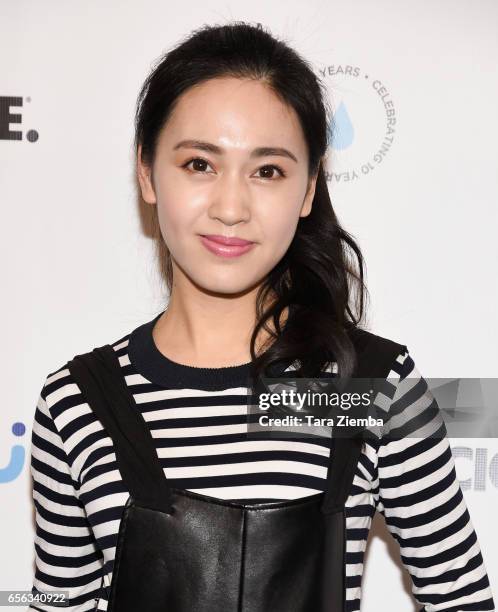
226	247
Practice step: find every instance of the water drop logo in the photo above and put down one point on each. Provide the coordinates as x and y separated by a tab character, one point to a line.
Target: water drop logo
344	136
17	456
362	128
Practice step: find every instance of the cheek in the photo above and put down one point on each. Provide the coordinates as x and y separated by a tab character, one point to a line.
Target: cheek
177	213
170	216
279	225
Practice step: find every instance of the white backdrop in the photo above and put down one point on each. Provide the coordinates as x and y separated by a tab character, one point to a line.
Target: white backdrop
413	176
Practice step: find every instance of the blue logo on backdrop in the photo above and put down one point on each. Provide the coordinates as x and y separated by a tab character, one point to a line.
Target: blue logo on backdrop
8	117
363	125
17	456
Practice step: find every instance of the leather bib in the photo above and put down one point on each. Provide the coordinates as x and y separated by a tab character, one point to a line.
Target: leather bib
180	551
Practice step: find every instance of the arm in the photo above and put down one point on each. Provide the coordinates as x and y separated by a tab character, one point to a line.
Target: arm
66	556
423	505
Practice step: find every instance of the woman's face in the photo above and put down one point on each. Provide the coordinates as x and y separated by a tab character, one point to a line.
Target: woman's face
231	161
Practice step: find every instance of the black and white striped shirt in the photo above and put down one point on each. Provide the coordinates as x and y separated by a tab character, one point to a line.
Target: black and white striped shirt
198	420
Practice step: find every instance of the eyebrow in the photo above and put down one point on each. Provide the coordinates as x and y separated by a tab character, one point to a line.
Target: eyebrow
215	149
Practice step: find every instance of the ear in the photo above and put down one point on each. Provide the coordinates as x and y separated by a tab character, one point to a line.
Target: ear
145	179
310	194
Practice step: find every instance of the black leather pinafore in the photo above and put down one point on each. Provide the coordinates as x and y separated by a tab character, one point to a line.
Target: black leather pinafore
180	551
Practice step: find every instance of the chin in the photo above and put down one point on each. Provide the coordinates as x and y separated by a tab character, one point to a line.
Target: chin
227	282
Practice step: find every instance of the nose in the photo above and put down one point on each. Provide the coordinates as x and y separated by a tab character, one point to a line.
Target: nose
230	202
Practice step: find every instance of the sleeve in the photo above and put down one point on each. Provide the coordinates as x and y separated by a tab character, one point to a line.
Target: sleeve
422	502
66	555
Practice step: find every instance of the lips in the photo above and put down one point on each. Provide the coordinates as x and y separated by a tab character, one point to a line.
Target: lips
226	247
234	241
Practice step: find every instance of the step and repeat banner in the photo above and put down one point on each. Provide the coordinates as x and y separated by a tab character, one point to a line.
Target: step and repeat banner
412	174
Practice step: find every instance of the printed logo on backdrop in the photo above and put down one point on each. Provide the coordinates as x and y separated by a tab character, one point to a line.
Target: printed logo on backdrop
477	463
10	116
363	123
15	456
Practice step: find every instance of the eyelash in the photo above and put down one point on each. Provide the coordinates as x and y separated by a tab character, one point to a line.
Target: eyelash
278	168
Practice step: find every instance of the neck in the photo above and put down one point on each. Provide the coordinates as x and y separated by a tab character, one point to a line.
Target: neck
204	330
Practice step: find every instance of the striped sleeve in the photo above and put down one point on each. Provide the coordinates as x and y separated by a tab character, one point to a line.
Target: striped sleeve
421	500
66	556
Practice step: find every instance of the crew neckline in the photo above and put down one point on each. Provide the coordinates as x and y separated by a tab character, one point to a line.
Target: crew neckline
149	361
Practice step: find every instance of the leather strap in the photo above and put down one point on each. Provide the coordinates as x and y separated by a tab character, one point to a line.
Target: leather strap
375	356
99	377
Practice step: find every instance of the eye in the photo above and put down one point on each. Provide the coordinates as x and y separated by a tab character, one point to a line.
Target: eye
271	167
199	165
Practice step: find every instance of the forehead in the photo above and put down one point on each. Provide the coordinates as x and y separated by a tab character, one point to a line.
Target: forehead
234	113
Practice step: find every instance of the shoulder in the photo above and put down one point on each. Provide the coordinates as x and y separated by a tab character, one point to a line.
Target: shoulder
60	390
377	355
363	338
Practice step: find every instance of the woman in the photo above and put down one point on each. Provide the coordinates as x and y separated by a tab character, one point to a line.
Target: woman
147	488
